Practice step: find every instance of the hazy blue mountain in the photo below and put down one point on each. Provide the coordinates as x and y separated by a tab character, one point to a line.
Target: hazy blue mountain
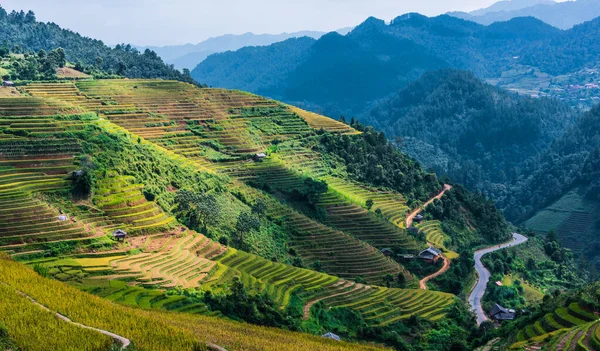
509	5
189	55
344	74
562	15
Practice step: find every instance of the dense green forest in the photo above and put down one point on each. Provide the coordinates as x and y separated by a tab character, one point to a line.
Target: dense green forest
376	59
571	161
481	136
20	32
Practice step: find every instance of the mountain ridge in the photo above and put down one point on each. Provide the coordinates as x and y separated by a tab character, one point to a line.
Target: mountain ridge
563	15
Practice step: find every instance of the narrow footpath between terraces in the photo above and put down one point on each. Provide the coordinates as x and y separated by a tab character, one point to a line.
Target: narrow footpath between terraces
124	342
484	275
121	340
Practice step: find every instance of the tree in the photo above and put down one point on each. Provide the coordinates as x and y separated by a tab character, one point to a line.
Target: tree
314	189
259	207
401	280
198	210
388	279
57	58
83	180
187	73
246	223
99	62
30	17
121	67
369	203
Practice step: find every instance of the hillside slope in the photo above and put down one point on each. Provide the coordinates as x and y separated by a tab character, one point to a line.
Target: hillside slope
295	239
564	187
147	330
481	136
21	33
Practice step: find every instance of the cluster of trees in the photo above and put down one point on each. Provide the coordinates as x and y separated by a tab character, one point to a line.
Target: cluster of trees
463	212
453	281
198	211
34	66
540	262
22	33
238	304
83	180
372	159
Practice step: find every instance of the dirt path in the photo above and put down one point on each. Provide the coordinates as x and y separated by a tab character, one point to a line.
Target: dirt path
121	340
311	303
445	268
413	214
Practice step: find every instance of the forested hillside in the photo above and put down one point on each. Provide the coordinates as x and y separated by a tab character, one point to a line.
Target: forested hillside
562	190
481	136
20	32
572	160
518	54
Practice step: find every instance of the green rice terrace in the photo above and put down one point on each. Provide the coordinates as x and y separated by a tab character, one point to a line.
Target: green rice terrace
562	318
253	145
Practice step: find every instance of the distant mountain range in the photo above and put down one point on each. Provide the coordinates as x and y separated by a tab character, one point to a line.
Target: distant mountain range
345	74
562	15
190	55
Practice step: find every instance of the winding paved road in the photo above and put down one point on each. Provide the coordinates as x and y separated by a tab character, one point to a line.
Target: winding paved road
484	275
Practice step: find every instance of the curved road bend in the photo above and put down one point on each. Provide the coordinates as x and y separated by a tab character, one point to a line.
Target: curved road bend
484	275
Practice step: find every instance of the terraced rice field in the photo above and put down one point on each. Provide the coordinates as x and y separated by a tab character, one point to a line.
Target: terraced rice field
320	122
123	201
583	337
382	306
343	212
191	260
196	122
434	235
392	205
181	262
37	152
217	129
566	317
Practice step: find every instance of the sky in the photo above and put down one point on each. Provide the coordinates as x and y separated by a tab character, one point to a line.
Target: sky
174	22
